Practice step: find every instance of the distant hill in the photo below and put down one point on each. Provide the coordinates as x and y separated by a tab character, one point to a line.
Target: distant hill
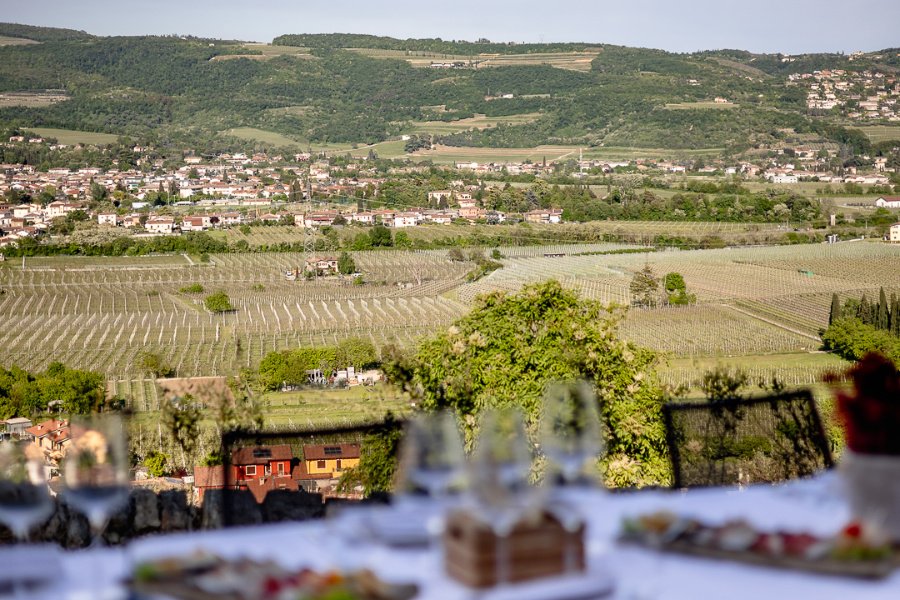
42	34
347	88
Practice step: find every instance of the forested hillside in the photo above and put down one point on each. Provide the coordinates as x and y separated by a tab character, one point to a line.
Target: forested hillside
363	89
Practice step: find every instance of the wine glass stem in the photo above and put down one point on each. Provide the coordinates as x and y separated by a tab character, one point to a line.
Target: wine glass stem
503	559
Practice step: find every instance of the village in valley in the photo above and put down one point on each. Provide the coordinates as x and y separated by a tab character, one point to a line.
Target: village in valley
230	190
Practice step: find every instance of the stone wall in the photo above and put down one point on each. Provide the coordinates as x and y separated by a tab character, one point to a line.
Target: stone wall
169	511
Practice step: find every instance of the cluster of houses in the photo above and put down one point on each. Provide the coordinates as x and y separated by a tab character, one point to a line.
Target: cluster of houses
860	95
262	469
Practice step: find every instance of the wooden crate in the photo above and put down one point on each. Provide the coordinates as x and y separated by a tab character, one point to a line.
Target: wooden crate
537	548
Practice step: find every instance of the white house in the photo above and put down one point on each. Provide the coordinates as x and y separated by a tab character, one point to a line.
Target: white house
779	178
894	234
888	202
160	225
406	219
107	219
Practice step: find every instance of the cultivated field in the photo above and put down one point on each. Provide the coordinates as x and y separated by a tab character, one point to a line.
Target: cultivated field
451	154
5	40
575	61
100	313
31	99
268	52
71	136
479	121
700	105
881	133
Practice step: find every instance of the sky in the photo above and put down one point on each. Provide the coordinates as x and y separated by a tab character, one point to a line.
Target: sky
787	26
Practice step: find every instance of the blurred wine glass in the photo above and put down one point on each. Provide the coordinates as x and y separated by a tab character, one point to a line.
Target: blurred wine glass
570	428
24	497
499	482
432	459
96	469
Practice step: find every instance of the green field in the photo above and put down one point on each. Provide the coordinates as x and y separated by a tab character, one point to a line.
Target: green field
575	61
479	121
31	99
700	105
881	133
267	52
261	135
70	137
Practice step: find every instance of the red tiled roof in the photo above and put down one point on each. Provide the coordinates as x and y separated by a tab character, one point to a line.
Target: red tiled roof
209	477
261	455
47	427
319	452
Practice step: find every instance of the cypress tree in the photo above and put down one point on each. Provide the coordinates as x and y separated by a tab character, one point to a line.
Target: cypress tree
895	316
835	309
882	311
865	311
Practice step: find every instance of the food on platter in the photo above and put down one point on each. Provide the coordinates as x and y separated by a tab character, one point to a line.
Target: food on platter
856	550
204	576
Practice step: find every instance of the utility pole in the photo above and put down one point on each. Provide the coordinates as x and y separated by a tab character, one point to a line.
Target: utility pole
309	238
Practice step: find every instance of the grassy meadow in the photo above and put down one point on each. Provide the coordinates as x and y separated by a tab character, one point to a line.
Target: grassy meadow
71	136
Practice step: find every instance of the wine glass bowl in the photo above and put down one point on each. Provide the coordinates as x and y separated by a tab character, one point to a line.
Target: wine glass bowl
500	489
570	428
432	459
96	469
24	496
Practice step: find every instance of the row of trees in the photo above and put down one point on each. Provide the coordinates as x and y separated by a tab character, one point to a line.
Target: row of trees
289	367
883	314
24	393
858	327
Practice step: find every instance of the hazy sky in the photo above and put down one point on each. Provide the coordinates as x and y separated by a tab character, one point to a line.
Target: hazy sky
789	26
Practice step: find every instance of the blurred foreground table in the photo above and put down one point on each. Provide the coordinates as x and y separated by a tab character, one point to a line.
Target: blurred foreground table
813	505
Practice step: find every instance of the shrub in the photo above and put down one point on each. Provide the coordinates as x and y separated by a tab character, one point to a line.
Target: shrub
194	288
218	303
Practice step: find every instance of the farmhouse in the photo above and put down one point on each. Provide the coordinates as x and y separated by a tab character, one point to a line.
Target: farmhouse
329	461
550	215
196	223
107	219
888	202
322	265
51	436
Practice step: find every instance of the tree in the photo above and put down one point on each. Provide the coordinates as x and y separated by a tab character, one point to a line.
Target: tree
346	264
218	303
835	313
152	364
508	348
645	286
676	290
456	255
882	314
381	236
157	463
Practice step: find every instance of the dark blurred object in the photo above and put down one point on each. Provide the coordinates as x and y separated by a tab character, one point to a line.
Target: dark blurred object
728	442
871	413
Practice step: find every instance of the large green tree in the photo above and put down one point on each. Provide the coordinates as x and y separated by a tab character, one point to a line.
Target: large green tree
511	346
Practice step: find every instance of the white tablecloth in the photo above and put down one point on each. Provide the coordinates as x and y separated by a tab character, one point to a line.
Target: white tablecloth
812	505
